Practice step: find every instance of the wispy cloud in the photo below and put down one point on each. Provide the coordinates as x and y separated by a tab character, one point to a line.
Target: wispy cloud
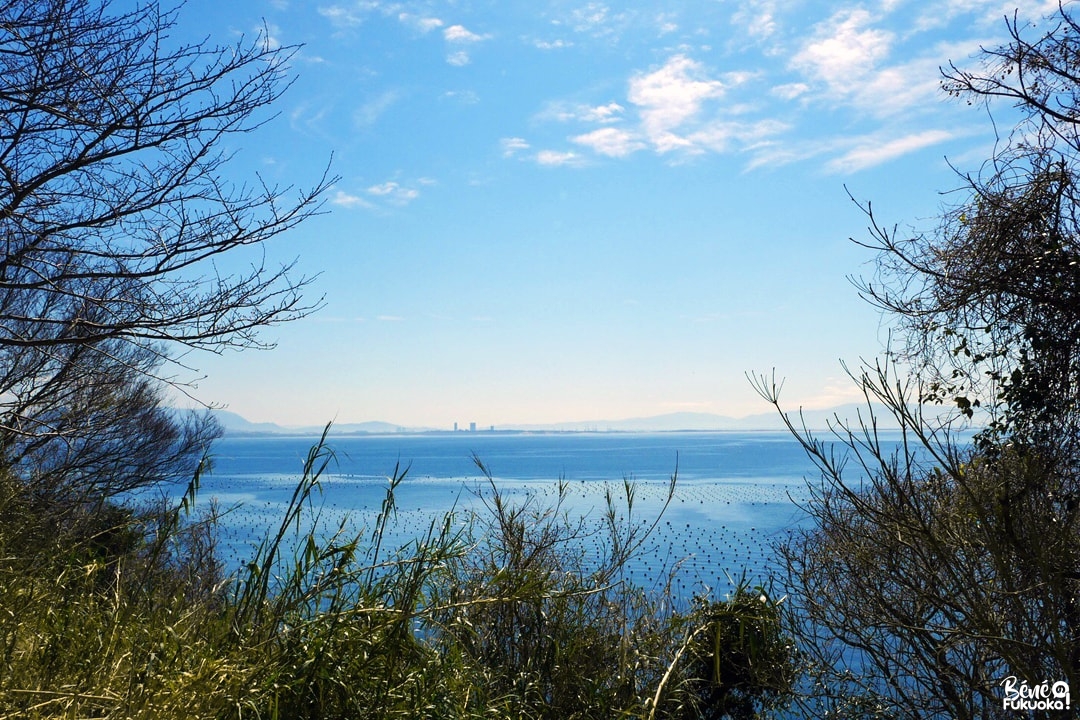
757	18
596	21
790	91
735	135
394	193
346	200
382	194
341	16
591	18
369	113
312	118
465	97
849	60
604	113
985	13
458	59
613	142
559	44
555	158
666	24
457	36
844	50
581	112
423	24
872	151
513	145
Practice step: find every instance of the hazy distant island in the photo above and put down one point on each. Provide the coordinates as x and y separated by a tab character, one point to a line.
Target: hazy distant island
236	425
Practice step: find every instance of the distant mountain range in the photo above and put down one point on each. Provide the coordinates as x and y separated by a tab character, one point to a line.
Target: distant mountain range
236	425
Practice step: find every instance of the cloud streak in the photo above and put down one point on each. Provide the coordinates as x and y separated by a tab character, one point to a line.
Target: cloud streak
872	151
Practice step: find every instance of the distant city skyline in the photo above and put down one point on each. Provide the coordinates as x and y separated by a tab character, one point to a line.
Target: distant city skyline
553	211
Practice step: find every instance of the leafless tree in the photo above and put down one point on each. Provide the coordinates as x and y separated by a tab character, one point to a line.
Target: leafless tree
929	571
991	297
934	566
117	212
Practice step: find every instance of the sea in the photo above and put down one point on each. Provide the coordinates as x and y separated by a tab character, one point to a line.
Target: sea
736	494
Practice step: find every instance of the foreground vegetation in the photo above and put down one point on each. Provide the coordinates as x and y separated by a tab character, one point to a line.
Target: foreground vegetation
129	614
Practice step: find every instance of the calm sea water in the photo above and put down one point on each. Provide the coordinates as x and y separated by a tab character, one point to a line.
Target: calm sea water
736	493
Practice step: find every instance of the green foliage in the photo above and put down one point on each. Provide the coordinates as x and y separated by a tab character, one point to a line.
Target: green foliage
739	660
542	631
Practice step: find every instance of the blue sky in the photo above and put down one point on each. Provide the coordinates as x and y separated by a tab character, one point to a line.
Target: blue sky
562	211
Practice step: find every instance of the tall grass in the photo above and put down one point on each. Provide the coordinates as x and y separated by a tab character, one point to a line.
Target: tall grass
503	616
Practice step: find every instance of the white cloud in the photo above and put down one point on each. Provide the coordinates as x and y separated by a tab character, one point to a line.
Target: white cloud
673	108
579	112
552	44
345	200
848	60
790	91
513	145
553	158
394	193
458	34
757	18
389	192
872	151
420	23
458	59
341	16
844	51
603	113
590	17
610	141
671	96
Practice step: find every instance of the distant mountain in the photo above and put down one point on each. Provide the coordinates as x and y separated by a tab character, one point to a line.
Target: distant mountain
236	425
695	421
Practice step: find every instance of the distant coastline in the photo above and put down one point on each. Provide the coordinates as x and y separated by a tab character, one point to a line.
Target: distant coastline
236	425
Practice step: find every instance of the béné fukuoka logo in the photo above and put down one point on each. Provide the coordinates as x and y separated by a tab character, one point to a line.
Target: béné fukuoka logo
1022	696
